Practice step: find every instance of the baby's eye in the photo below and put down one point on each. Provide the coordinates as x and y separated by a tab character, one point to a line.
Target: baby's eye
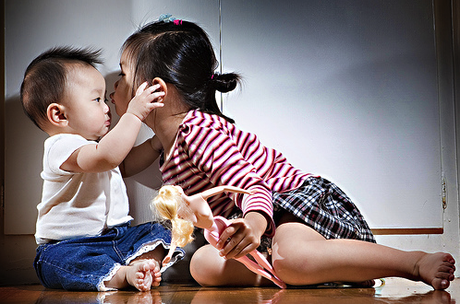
121	74
98	99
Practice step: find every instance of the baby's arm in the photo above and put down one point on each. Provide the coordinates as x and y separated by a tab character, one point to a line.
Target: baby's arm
140	157
116	144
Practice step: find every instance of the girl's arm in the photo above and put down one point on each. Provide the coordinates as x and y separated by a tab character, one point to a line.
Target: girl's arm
229	168
244	233
116	144
141	157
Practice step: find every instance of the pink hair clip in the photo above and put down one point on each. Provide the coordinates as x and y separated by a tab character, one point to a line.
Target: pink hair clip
169	18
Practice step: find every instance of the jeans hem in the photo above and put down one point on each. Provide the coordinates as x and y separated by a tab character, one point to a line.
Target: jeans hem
101	285
150	246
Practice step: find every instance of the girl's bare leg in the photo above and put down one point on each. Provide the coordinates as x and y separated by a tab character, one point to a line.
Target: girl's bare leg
302	256
210	269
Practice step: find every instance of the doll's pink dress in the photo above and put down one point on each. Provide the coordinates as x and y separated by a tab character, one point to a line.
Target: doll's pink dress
262	266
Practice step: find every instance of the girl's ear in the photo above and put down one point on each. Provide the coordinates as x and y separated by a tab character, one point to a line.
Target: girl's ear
56	116
163	86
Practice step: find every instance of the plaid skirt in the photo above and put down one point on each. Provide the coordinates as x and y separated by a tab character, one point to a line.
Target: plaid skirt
323	206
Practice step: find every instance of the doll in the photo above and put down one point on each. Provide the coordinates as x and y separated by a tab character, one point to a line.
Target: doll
185	212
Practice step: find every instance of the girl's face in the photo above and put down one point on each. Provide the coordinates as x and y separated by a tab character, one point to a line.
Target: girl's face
85	109
123	86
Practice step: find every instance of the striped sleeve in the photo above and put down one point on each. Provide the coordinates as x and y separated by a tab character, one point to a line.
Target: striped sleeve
214	152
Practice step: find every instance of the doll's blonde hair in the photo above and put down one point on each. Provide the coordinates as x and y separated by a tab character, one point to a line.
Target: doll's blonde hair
167	204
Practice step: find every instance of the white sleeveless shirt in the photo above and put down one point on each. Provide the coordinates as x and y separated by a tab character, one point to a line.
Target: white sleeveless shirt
77	205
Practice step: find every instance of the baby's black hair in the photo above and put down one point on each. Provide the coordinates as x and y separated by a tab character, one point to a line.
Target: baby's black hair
45	79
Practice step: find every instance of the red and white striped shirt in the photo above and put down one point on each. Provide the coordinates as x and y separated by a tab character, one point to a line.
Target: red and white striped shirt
209	152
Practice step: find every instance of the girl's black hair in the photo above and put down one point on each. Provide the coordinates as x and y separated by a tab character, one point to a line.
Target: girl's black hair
181	54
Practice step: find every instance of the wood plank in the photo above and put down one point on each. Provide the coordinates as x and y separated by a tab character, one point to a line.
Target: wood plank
404	231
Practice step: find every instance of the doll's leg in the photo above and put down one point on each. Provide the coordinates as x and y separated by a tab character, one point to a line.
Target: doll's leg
210	269
302	256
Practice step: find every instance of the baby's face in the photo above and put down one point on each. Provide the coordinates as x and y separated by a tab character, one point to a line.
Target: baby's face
85	109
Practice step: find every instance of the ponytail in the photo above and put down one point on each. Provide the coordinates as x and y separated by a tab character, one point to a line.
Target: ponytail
225	82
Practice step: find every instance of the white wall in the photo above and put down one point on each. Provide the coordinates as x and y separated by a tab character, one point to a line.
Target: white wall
345	89
348	90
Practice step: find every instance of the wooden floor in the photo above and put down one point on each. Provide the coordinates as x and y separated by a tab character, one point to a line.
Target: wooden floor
394	291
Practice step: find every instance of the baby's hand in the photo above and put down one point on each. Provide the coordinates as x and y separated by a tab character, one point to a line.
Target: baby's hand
145	101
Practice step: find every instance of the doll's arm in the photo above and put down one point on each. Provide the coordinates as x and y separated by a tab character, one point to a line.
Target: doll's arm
219	189
203	217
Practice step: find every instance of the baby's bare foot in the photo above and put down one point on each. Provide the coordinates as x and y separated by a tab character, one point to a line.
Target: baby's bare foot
156	274
141	275
436	269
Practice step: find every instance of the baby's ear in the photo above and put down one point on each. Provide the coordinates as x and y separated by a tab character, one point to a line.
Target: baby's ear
56	115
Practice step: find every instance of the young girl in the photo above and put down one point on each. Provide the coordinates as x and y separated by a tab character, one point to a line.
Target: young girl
316	234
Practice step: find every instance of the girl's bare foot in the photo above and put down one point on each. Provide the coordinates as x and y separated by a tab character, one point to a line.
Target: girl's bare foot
435	269
143	274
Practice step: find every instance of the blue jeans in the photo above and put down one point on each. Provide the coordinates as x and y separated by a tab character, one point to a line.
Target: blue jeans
86	263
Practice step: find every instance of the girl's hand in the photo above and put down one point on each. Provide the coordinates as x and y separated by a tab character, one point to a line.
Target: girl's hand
242	236
145	101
